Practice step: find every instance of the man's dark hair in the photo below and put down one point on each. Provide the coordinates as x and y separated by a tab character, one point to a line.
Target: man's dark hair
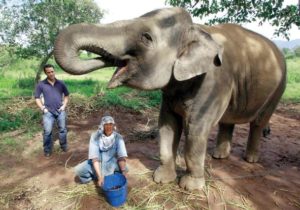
48	66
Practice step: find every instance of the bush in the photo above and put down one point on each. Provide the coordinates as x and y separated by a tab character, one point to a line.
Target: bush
27	117
9	122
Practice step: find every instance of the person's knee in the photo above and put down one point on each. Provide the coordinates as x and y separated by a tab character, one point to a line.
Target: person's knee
62	130
48	128
47	131
81	168
62	127
78	170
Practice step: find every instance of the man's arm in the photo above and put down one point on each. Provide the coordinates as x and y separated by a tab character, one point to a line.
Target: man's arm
94	156
65	103
38	100
97	167
40	104
122	165
122	155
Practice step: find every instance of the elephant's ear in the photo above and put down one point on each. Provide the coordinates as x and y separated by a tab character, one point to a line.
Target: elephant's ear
199	54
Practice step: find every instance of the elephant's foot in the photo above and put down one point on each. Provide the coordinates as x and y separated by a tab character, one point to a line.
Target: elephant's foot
251	157
222	151
164	174
191	183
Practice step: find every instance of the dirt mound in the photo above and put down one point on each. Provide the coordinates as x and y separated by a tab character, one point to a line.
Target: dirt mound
29	181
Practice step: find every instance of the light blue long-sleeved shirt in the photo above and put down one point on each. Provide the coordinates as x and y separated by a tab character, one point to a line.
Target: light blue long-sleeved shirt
107	158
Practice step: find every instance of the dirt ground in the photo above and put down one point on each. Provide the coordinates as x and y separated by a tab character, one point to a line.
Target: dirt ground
30	181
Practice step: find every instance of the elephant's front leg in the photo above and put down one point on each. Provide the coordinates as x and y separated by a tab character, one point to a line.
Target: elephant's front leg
170	129
195	151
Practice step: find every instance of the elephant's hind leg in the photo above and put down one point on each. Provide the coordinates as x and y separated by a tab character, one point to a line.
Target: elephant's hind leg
224	138
256	128
252	152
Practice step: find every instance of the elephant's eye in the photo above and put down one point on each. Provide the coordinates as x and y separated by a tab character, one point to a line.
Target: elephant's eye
146	38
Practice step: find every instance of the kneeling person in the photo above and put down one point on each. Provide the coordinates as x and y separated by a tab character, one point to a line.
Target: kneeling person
107	154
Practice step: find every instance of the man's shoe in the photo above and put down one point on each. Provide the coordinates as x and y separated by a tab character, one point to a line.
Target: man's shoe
65	149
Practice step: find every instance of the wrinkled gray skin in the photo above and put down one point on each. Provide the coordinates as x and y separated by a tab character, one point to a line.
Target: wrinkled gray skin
222	75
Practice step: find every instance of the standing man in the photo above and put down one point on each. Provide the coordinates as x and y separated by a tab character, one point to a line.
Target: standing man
52	96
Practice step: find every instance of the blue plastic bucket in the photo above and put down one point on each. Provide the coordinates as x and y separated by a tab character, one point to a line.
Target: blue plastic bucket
115	189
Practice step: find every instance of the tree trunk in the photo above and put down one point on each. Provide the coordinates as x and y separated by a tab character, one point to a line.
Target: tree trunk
41	66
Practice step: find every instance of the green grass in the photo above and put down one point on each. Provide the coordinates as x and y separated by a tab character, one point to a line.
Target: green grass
24	117
132	99
292	92
18	80
15	85
84	87
88	85
8	144
100	75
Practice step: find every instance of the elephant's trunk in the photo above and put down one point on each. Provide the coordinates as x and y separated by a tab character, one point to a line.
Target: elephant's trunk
92	38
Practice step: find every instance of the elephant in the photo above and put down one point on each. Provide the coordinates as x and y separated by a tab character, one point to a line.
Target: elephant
209	76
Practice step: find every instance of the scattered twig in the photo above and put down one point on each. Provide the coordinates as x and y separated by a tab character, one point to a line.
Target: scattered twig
68	160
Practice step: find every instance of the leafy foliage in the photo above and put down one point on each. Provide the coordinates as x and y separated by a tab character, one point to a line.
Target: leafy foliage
31	26
236	11
7	57
297	51
291	53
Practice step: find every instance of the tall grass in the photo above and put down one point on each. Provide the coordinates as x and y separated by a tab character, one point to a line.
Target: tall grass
11	119
20	68
292	92
18	80
15	87
132	99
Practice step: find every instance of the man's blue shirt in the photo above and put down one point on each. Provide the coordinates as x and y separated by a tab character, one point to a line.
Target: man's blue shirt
53	95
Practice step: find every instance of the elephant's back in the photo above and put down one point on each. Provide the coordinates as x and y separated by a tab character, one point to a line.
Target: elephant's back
243	44
256	65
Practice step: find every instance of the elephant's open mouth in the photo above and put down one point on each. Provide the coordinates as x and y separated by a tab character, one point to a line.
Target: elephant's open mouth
111	60
120	69
120	76
106	57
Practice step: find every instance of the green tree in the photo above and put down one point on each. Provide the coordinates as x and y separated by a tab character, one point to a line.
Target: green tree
288	53
7	57
246	11
297	51
31	26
